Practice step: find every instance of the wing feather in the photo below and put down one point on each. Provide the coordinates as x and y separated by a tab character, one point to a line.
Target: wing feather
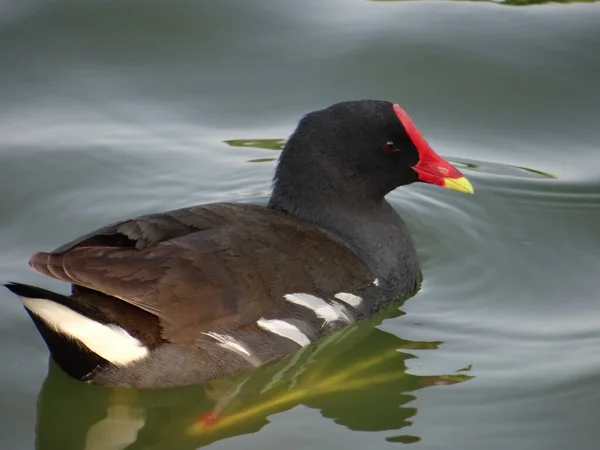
220	265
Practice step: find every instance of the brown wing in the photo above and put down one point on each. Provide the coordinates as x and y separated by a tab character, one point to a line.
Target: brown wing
219	265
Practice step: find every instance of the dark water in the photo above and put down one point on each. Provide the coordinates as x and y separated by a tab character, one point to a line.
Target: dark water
110	109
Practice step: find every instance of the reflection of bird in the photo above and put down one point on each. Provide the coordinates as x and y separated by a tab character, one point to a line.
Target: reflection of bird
189	295
117	430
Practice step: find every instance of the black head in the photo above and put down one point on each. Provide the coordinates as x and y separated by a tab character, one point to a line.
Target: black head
358	152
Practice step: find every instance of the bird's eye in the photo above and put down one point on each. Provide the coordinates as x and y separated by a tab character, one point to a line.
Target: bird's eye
389	147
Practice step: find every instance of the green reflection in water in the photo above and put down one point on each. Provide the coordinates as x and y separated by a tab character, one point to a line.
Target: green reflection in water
500	169
260	160
536	172
265	144
357	377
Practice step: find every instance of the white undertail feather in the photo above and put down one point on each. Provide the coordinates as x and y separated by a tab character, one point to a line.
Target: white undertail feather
284	329
326	311
111	342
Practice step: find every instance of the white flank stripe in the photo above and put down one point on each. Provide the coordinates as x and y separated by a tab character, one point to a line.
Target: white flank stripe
232	344
111	342
376	281
324	310
350	299
284	329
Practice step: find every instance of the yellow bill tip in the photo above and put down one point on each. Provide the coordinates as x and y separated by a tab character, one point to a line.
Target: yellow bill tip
459	184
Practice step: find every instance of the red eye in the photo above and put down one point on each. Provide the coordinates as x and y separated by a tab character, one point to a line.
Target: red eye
389	147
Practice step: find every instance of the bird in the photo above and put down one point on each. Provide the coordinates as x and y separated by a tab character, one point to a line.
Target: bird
189	295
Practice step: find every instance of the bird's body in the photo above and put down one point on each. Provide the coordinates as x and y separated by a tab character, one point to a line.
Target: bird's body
189	295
